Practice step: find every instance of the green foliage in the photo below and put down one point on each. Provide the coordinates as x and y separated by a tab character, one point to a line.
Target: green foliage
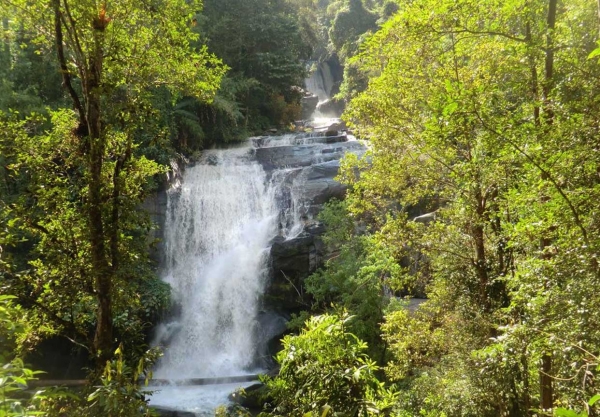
13	383
14	375
325	371
563	412
232	411
120	393
475	112
29	77
76	186
356	277
261	42
349	23
58	285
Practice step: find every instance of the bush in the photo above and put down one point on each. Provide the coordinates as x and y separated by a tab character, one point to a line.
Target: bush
326	372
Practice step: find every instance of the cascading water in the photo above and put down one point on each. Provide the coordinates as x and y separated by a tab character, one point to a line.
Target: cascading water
222	218
320	84
219	225
220	221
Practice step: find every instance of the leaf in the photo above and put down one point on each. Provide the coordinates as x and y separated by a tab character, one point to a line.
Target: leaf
594	399
594	53
563	412
450	108
325	410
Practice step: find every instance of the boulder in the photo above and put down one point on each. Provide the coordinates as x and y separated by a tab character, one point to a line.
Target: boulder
309	104
331	106
292	261
290	256
169	412
271	326
320	186
338	127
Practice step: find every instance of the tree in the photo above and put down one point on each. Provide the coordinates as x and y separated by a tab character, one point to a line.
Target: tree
263	44
477	114
358	277
111	55
348	25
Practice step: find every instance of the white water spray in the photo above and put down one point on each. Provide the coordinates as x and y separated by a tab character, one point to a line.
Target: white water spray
217	234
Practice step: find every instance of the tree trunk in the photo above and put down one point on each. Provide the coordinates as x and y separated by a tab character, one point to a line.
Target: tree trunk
546	400
480	255
89	107
64	69
546	392
549	62
598	17
103	343
534	75
525	379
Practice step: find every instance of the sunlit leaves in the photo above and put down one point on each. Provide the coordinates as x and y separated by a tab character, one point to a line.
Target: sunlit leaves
458	124
324	369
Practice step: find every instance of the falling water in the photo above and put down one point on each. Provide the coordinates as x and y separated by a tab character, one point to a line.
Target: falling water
222	216
320	84
219	225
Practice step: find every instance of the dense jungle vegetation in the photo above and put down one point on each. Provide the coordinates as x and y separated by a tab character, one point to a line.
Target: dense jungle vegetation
479	194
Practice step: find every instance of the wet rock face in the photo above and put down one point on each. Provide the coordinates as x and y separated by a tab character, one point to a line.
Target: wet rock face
156	207
271	325
294	156
167	412
310	164
292	261
321	186
309	104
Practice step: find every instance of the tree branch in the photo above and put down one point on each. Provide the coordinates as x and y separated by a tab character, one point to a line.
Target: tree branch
478	32
62	322
72	32
64	69
547	175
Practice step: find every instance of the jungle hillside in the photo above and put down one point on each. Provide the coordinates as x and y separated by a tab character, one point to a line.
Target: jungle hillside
461	276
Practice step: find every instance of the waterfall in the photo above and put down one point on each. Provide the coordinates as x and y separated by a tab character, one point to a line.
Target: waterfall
320	84
219	225
224	214
315	84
